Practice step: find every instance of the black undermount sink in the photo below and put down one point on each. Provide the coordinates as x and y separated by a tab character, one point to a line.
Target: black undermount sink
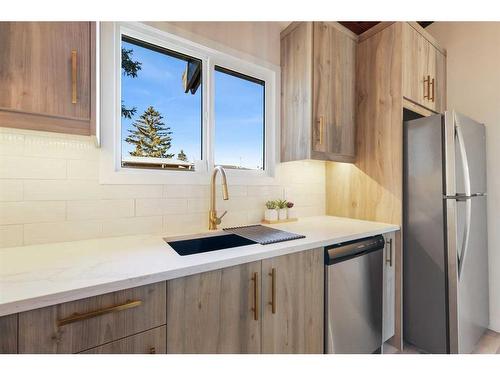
209	243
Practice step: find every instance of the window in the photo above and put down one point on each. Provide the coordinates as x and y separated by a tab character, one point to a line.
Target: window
239	120
172	109
161	107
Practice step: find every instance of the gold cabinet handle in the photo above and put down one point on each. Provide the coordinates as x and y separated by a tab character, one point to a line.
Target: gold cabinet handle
432	91
273	290
389	260
321	124
255	308
427	87
73	76
76	317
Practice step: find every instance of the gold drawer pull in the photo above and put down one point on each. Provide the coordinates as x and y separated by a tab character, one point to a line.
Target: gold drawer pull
73	76
273	291
76	317
255	308
432	91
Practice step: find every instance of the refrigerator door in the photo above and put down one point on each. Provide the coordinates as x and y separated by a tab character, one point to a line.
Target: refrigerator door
425	322
473	306
466	230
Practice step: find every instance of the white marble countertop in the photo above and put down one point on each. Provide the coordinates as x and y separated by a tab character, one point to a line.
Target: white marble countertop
42	275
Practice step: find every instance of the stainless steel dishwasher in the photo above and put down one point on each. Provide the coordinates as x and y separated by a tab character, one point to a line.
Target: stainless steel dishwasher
353	293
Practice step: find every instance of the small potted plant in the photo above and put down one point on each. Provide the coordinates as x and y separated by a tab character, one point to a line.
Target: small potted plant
282	214
292	212
271	214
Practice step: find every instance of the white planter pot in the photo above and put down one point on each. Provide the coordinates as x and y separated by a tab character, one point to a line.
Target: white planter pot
292	213
282	214
271	215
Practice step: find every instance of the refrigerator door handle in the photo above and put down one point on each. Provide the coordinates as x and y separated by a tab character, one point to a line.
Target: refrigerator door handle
468	203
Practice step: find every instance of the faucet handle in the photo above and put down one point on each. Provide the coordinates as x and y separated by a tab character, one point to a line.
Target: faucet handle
221	216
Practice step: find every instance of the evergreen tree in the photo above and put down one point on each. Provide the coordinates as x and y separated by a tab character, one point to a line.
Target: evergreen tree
151	137
130	68
182	156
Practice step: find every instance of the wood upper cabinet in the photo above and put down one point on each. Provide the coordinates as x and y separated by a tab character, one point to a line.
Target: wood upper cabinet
293	303
214	312
47	72
8	334
424	70
318	63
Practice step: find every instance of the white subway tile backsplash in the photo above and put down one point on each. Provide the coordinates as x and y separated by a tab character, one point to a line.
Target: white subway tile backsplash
133	225
187	191
11	190
100	209
61	231
11	235
50	192
29	167
131	191
31	212
61	190
83	169
159	206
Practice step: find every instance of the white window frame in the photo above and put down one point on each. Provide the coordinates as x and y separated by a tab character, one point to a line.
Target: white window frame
111	170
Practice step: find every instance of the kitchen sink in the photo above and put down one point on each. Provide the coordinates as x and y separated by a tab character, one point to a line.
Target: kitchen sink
205	244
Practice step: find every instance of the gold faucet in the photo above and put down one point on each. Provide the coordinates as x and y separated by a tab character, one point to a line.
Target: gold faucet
213	220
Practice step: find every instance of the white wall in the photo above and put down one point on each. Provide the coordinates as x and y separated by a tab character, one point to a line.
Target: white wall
473	80
50	192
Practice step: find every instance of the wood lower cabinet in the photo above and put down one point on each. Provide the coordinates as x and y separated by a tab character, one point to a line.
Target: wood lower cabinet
47	76
389	291
153	341
76	326
293	303
214	312
318	63
230	310
8	334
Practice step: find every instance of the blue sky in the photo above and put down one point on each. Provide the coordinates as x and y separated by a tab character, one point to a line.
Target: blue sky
238	109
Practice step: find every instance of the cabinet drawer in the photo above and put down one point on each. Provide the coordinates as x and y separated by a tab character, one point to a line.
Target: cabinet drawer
79	325
153	341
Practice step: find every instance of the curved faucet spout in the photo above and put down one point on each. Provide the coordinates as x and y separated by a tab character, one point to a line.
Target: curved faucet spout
213	220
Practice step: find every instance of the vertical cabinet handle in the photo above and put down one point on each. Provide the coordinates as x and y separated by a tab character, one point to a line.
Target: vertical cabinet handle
255	308
273	290
427	87
321	129
388	260
73	76
432	91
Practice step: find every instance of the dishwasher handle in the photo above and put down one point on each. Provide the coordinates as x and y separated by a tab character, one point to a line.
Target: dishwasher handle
352	249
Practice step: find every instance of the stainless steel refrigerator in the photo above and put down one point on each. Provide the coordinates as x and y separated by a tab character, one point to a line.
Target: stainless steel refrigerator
445	274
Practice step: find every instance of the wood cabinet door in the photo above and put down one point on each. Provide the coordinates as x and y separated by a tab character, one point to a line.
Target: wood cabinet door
294	283
440	82
36	73
334	66
153	341
296	93
8	334
213	312
389	288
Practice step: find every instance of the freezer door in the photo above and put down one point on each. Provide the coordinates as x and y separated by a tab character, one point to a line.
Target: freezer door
473	306
469	146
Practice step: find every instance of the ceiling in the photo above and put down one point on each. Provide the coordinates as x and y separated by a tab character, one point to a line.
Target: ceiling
359	27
